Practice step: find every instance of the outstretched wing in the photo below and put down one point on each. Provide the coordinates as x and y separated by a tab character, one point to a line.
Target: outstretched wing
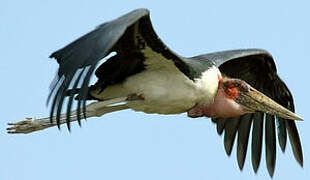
127	36
257	68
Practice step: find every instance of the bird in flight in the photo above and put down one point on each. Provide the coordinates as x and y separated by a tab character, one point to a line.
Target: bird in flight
237	89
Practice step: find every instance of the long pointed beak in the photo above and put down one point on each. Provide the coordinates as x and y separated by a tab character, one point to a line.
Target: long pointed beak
254	100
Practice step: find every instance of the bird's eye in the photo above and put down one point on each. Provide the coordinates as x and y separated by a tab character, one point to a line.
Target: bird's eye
232	92
229	84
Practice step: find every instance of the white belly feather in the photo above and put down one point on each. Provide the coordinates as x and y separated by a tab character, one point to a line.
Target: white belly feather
165	89
164	92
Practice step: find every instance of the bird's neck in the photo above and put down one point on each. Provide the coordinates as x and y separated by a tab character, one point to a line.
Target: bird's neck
222	106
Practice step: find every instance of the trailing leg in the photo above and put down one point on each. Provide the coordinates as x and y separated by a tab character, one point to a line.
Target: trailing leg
94	109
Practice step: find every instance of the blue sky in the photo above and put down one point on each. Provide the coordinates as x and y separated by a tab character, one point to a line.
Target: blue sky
130	145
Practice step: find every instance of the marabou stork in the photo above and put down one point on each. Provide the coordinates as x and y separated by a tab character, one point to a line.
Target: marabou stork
145	75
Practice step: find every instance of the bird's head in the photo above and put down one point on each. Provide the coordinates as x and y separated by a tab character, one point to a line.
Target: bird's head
235	97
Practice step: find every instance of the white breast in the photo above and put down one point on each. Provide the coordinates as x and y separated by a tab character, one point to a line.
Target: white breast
207	85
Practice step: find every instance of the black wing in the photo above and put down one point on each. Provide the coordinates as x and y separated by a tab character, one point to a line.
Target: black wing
126	36
257	68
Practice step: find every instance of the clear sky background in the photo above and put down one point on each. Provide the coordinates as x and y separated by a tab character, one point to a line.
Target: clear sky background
130	145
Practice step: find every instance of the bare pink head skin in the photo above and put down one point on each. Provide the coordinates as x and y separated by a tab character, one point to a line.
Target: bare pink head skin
235	97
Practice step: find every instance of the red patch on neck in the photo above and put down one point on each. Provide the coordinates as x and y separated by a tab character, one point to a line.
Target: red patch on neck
220	78
232	92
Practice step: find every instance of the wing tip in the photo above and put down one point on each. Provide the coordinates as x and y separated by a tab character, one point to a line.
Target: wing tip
271	172
255	167
53	55
145	10
56	55
299	158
